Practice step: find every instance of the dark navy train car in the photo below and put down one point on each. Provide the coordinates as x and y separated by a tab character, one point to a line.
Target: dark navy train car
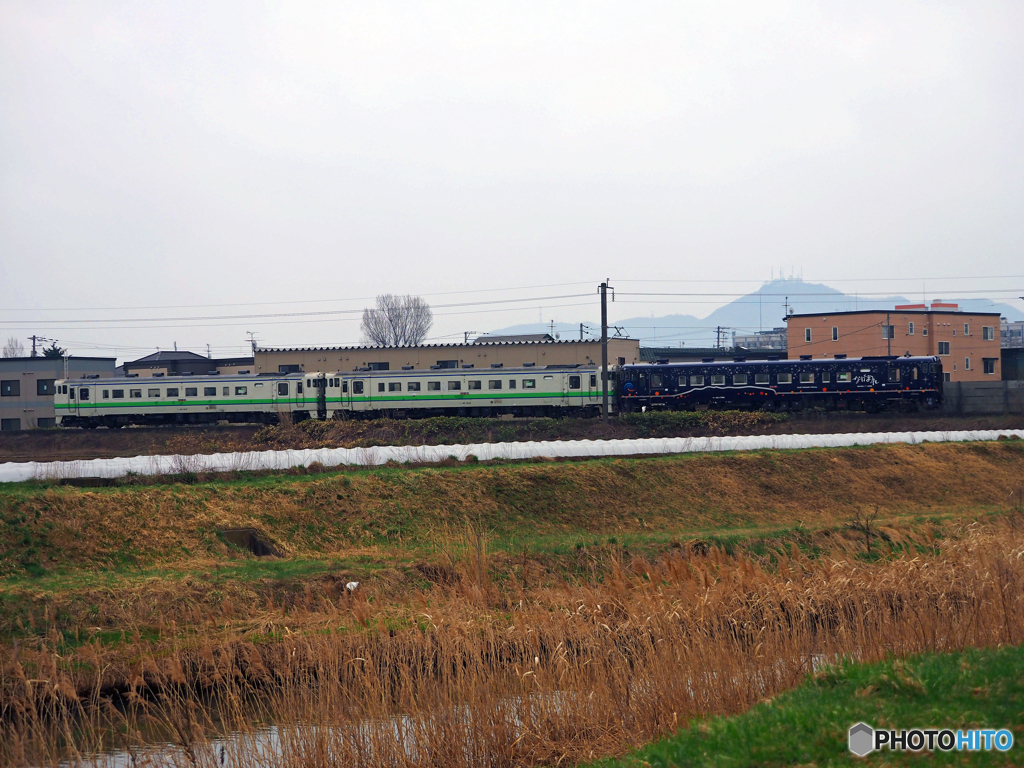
864	383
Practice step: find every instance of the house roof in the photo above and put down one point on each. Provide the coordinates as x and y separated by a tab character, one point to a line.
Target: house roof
958	312
531	337
168	357
433	346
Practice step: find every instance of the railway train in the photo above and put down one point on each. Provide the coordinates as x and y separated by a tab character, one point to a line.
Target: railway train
867	383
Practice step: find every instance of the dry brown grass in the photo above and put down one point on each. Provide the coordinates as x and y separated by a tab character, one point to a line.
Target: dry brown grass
473	674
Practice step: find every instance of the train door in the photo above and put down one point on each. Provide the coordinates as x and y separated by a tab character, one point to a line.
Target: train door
297	392
72	400
360	395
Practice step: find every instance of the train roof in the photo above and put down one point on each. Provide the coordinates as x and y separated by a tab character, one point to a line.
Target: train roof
787	361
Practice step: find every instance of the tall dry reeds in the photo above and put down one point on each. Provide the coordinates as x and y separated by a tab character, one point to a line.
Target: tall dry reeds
540	677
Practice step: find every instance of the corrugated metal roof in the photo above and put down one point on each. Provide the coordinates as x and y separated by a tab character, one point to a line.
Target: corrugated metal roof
431	346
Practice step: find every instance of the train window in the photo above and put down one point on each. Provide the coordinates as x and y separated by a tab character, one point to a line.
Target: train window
298	387
593	380
826	377
357	387
473	385
118	394
414	386
894	373
696	381
785	378
380	386
106	394
309	382
717	379
512	383
241	390
191	391
433	386
71	394
282	388
227	391
172	392
762	378
496	383
207	392
394	386
574	381
154	392
83	393
529	383
914	374
454	385
549	378
344	386
135	393
807	377
739	378
260	383
656	380
844	376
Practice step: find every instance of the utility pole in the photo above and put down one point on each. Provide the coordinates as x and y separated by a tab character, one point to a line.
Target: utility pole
888	335
465	336
252	340
33	346
604	349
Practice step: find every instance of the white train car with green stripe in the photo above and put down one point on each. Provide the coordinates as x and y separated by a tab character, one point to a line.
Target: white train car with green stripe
264	398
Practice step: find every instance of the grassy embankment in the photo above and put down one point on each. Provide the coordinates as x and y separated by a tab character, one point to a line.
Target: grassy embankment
974	689
597	593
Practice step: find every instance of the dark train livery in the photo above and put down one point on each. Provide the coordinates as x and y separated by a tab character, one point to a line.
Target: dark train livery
863	383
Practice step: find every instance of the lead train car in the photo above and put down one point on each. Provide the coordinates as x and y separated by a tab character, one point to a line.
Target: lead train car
263	398
865	383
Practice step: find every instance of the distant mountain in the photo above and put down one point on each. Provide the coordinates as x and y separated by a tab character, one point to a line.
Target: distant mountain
763	309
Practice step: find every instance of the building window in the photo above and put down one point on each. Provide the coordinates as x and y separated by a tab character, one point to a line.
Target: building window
910	330
739	379
529	383
924	331
10	388
496	383
967	329
45	423
289	369
433	386
10	425
943	347
988	333
807	334
44	386
414	386
989	364
454	386
473	385
835	333
888	331
241	390
447	363
191	392
118	394
173	391
379	366
967	363
394	386
945	376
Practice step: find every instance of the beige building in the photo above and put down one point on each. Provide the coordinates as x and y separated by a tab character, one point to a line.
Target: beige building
27	387
174	363
966	342
479	355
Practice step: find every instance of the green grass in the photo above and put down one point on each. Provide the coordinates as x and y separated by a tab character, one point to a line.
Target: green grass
978	688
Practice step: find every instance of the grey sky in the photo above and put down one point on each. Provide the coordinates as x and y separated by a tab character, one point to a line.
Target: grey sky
167	154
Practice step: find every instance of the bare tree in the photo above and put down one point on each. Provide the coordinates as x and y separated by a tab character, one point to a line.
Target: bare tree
14	348
397	321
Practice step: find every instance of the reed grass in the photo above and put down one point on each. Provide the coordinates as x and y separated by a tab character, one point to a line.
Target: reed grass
477	671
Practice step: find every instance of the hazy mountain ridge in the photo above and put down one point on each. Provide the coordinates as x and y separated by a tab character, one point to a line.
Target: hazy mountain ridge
763	309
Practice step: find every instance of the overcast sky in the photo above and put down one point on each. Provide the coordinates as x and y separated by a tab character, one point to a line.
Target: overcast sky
160	158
